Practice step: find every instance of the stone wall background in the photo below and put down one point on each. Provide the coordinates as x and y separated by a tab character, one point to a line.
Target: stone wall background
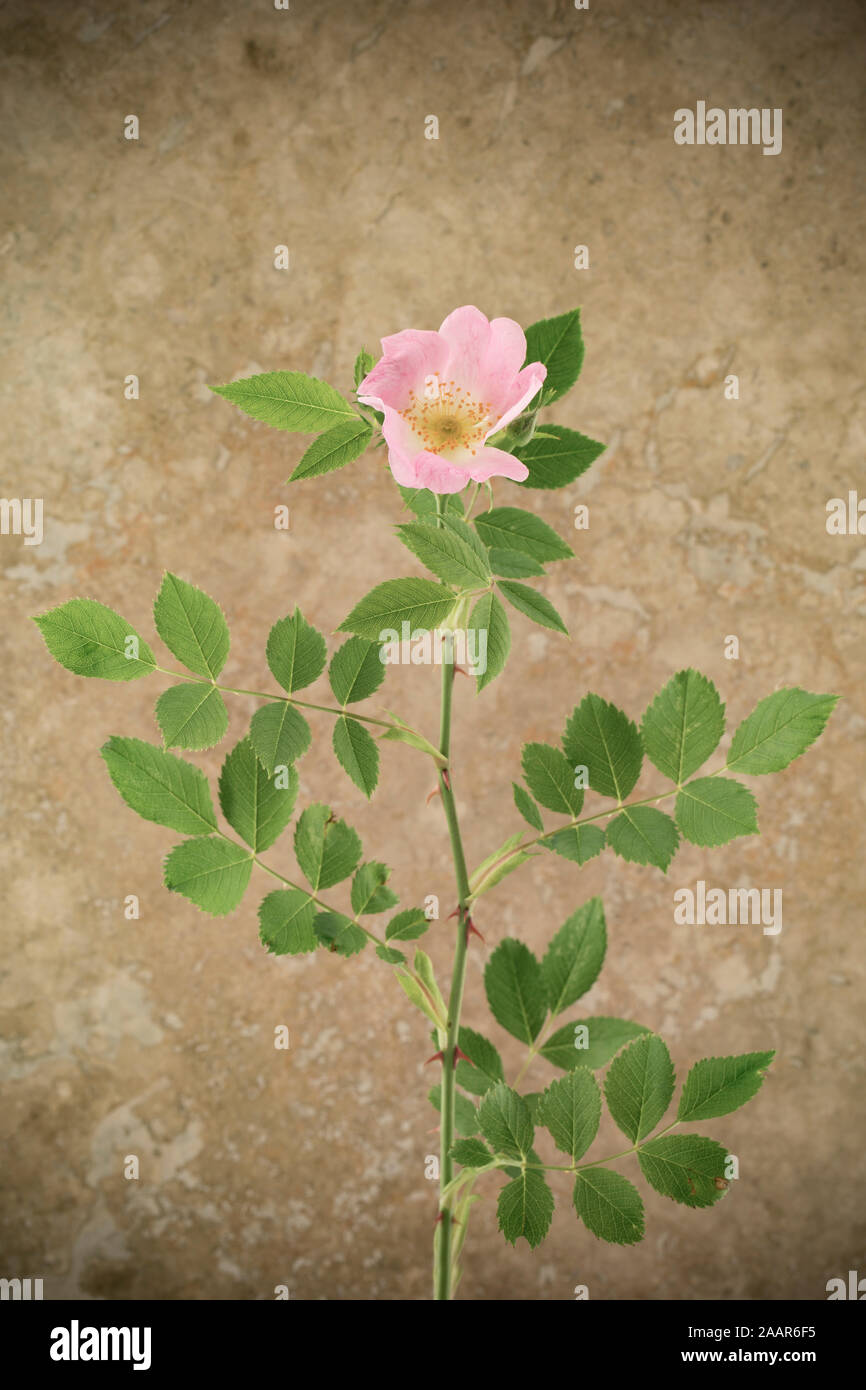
707	518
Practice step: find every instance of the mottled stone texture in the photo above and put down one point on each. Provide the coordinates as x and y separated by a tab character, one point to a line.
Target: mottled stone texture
707	518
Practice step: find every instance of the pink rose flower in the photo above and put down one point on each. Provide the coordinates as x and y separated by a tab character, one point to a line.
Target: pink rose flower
444	394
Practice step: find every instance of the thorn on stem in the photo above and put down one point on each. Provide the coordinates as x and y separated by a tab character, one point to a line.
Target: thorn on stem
445	778
440	1057
435	792
472	930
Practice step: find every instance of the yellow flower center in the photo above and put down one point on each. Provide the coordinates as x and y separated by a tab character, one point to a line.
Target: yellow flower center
447	419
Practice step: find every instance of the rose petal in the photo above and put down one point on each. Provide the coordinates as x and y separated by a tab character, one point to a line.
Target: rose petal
524	387
438	474
402	447
408	359
467	334
495	463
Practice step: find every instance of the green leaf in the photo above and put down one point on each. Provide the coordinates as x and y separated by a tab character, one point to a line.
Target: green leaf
369	893
683	725
92	640
296	652
599	737
420	999
714	810
192	626
407	925
639	1086
504	1121
533	1100
419	602
557	457
252	801
718	1085
609	1206
605	1037
514	528
571	1109
574	958
685	1167
445	554
515	990
525	1208
160	786
643	835
454	522
212	872
422	502
390	956
327	850
532	604
357	753
471	1153
286	922
484	1069
465	1114
288	401
527	807
489	616
550	778
364	364
191	716
778	730
280	735
576	842
513	564
334	449
558	344
356	670
339	933
513	1170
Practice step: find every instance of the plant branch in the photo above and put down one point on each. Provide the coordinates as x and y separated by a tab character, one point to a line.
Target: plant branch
525	845
288	699
320	902
505	1161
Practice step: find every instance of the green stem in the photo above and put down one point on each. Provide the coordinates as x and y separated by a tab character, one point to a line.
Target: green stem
472	501
443	1236
455	998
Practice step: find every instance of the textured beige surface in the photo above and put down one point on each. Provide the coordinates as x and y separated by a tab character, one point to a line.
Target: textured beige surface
306	127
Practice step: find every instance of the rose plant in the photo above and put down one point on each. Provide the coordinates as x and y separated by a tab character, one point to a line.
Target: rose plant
455	409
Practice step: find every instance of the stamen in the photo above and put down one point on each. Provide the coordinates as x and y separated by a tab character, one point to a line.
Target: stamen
451	420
